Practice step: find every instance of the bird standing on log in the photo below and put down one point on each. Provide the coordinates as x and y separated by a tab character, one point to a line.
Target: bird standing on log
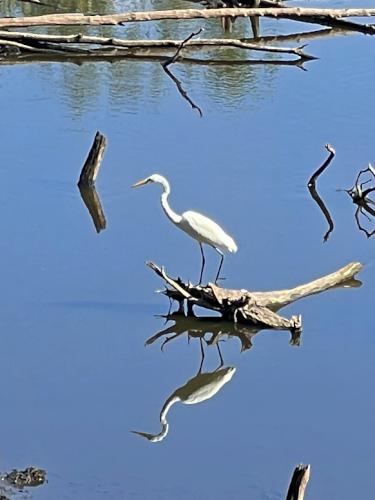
196	225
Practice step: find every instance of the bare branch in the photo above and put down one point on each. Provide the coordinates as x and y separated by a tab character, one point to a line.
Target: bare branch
312	188
78	19
325	164
254	308
172	60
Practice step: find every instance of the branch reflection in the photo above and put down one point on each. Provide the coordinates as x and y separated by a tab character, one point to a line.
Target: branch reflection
216	327
92	201
360	197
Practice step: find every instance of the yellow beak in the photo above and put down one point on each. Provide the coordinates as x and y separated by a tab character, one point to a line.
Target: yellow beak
140	183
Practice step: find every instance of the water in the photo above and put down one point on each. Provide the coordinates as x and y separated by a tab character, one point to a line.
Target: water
77	306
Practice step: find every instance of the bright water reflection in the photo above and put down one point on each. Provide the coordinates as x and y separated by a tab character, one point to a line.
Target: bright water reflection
77	306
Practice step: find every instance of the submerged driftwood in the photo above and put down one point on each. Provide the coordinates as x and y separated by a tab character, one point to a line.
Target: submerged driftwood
253	308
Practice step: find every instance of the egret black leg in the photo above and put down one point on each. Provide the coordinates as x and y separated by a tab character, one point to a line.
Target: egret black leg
203	263
221	263
220	356
202	356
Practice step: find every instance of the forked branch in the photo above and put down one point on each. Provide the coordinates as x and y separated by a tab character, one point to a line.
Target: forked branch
254	308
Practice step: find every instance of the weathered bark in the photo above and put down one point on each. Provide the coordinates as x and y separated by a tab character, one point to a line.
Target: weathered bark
254	308
298	483
77	19
92	164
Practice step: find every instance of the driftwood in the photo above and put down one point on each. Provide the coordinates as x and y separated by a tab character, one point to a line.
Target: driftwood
86	183
314	194
77	19
84	47
253	308
298	483
30	39
93	161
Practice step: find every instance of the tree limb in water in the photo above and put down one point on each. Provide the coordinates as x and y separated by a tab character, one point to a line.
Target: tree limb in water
174	59
77	19
254	308
80	39
314	194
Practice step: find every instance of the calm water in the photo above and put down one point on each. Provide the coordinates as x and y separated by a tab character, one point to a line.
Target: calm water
77	306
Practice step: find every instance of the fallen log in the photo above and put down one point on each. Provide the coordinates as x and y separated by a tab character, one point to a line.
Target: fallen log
78	19
37	41
254	308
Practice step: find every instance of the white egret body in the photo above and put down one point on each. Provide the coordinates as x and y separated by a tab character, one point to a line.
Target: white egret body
196	225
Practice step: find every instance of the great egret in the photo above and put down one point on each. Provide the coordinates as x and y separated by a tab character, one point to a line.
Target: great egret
196	225
199	388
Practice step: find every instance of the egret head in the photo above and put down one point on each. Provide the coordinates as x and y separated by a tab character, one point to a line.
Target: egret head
153	178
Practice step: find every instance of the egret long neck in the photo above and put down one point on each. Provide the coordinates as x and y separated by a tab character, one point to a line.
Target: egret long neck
175	218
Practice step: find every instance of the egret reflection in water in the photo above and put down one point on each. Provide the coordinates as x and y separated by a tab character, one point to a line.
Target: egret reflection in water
199	388
204	385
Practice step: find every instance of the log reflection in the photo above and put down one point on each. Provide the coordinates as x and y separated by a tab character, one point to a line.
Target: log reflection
211	331
92	201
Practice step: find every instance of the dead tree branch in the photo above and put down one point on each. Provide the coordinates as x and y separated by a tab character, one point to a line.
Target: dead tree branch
78	19
214	43
93	161
298	483
320	170
361	198
314	194
177	82
254	308
22	37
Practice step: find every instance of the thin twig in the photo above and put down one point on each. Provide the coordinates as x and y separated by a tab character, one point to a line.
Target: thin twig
325	164
174	58
177	82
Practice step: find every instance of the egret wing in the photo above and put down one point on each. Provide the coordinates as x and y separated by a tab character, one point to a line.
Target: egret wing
207	231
